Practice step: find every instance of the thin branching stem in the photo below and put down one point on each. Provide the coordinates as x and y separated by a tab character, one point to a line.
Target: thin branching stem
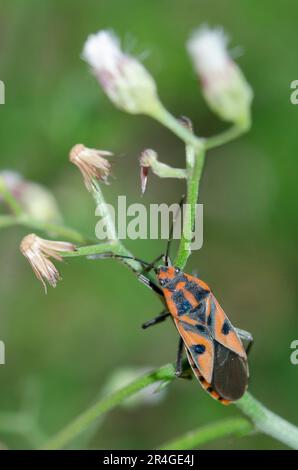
268	422
237	427
170	122
51	229
259	418
193	183
226	136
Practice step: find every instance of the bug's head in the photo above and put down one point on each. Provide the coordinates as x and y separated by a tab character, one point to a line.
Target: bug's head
166	274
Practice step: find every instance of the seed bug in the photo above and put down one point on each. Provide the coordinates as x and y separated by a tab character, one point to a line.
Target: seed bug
212	344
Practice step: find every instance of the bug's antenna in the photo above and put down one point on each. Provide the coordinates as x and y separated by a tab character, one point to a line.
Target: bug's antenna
168	246
151	265
112	255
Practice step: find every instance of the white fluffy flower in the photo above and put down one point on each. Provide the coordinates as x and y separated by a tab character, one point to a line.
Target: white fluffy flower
225	88
124	79
102	51
208	49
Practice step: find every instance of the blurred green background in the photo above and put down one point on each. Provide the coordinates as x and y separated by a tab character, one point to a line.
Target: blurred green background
62	348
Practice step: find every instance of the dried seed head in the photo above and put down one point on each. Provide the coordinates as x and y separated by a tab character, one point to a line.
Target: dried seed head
91	163
38	251
124	79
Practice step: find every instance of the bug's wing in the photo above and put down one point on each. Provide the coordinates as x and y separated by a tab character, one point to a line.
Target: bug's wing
197	339
222	329
205	385
226	377
230	373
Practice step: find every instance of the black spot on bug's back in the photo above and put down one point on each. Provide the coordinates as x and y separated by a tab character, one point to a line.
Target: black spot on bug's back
182	304
199	348
211	316
226	327
209	389
201	328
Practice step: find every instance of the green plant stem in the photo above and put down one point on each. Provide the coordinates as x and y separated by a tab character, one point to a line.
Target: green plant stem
210	432
268	422
49	228
165	171
260	418
111	248
226	136
103	211
193	183
89	250
163	116
117	248
102	406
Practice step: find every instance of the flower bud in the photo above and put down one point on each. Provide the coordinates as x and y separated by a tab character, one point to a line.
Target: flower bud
124	79
38	251
91	163
36	200
224	86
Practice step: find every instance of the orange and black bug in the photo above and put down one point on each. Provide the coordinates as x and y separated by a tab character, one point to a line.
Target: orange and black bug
213	345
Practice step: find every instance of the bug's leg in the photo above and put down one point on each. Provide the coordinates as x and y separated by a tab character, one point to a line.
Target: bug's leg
145	280
179	368
247	336
179	372
154	321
